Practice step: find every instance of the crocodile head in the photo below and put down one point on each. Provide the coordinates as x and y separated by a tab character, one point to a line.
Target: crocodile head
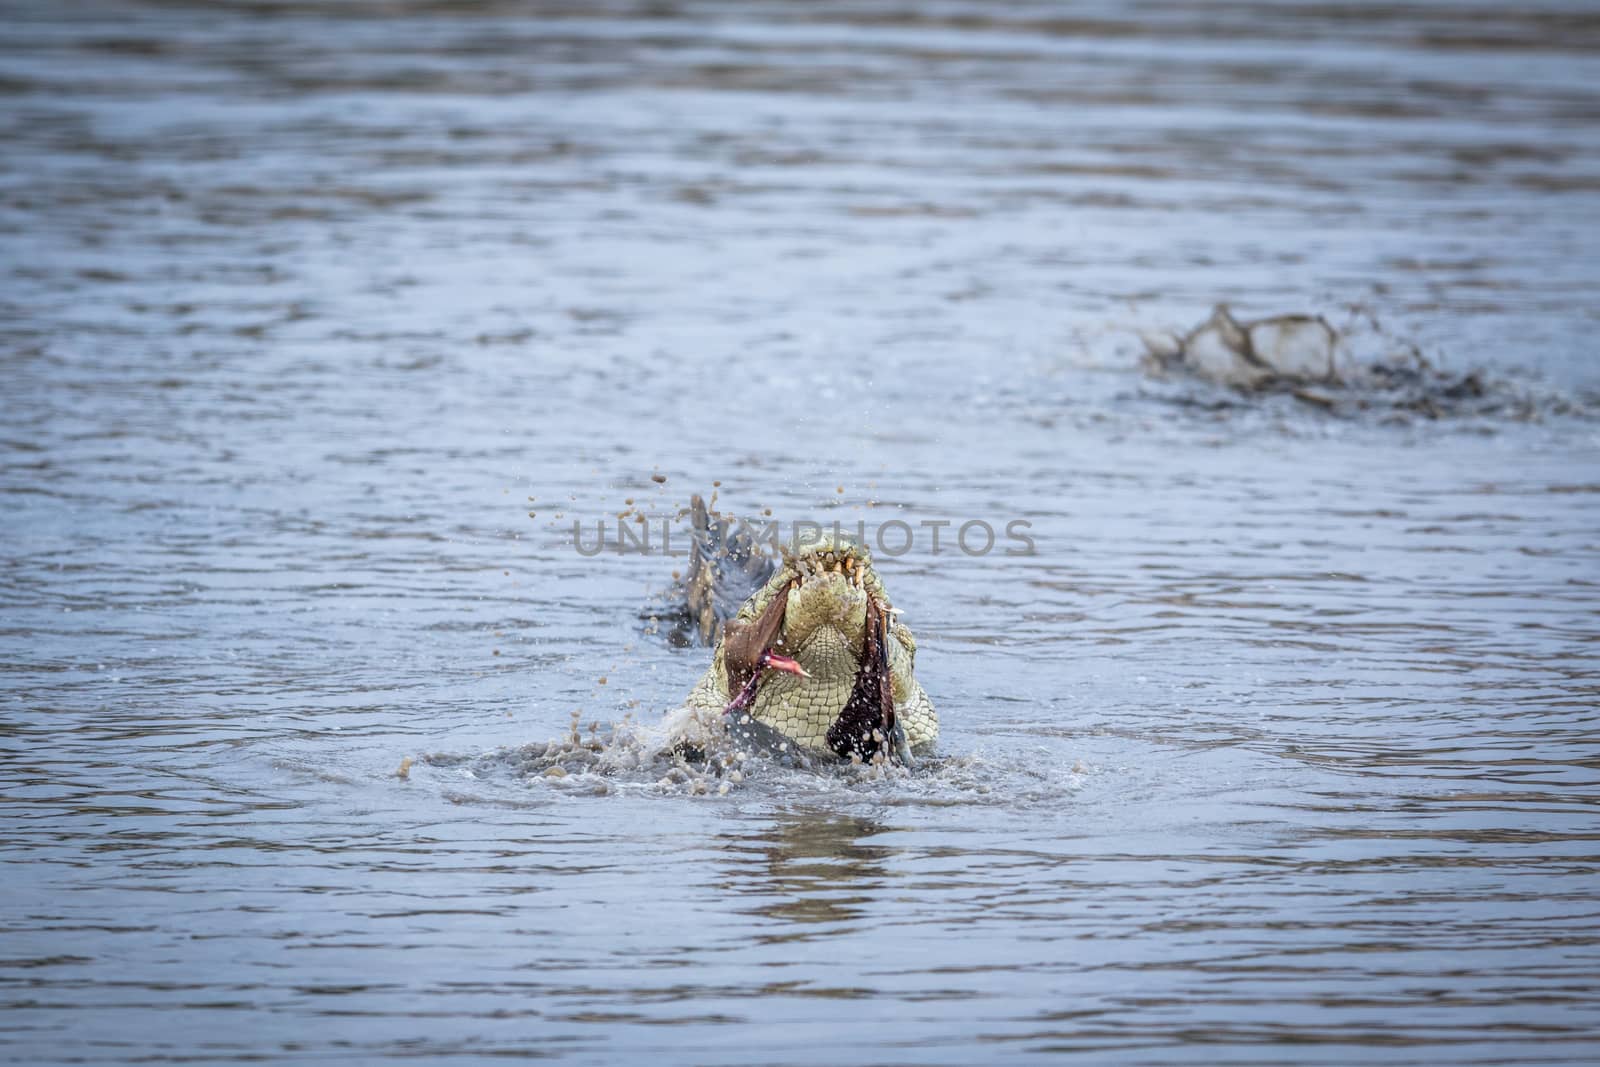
817	656
831	585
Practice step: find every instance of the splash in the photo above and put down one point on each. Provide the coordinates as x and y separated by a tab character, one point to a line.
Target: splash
691	753
690	750
1225	363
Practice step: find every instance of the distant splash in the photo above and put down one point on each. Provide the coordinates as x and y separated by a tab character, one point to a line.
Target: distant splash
689	753
1350	372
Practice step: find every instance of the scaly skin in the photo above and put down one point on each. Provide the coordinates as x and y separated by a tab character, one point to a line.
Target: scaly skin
825	629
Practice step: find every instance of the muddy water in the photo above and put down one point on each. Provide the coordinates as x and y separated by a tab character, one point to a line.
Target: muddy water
1282	747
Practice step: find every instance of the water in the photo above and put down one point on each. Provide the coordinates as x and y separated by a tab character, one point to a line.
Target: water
1281	748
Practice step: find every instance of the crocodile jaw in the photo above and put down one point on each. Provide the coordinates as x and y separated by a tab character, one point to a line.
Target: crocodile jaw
831	599
829	596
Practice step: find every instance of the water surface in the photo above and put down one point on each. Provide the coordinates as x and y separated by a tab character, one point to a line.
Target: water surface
1281	748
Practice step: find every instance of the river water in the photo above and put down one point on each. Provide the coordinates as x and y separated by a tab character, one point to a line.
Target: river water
1281	747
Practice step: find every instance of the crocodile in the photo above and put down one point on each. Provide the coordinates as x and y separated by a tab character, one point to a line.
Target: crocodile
817	658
